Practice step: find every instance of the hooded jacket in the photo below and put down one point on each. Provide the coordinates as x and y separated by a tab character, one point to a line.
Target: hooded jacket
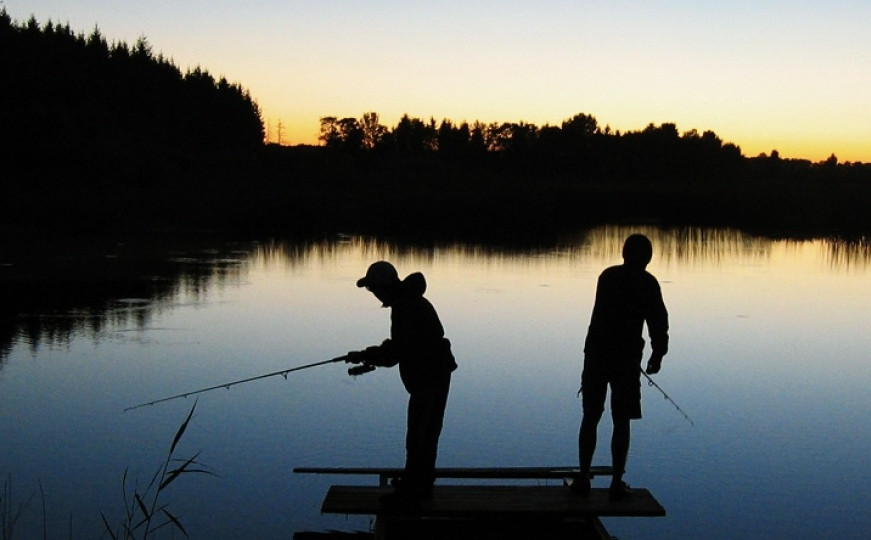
417	341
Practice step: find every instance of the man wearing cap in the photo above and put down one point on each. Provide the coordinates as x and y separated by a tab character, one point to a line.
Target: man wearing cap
417	344
627	297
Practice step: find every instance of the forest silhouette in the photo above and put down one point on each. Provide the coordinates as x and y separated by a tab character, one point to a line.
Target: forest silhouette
108	137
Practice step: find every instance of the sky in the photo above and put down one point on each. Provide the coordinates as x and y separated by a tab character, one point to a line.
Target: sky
792	76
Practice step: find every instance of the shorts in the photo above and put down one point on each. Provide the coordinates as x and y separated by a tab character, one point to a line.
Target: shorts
625	390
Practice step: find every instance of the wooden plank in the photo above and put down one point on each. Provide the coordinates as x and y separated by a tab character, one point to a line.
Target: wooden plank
495	501
518	473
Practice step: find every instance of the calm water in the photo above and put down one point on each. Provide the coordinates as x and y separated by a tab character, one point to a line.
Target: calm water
769	357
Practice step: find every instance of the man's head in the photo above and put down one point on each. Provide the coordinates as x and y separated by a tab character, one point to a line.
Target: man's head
381	280
637	251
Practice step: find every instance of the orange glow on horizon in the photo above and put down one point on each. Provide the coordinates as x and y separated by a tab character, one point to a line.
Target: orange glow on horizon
304	130
761	77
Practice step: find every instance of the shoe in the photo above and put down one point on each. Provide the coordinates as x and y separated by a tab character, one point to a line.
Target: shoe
619	491
581	485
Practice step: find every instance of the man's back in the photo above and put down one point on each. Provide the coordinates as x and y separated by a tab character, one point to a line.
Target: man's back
626	297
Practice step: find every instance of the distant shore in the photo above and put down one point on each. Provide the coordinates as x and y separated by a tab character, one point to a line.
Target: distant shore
314	190
101	138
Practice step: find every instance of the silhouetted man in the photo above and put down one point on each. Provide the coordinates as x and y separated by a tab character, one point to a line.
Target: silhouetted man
418	345
627	296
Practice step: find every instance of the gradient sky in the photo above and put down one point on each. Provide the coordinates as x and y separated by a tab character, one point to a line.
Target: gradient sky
794	76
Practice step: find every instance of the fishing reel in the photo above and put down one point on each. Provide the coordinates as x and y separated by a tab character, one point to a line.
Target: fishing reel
360	358
360	370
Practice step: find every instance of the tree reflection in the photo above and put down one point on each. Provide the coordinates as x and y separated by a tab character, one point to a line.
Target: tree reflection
51	292
842	254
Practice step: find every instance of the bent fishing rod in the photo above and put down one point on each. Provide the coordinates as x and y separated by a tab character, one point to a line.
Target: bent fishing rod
650	382
358	370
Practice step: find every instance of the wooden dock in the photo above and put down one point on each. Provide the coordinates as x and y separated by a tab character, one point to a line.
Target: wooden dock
487	511
385	474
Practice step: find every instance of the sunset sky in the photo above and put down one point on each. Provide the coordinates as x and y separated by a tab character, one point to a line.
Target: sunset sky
794	76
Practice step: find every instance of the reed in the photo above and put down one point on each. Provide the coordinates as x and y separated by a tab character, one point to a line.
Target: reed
145	512
11	512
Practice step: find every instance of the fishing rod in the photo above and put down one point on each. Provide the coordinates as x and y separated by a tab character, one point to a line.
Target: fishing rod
358	370
650	382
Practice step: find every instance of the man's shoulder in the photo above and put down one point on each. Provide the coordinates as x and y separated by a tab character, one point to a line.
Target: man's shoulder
626	271
623	273
612	270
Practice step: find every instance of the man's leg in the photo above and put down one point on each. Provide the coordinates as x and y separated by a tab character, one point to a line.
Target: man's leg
411	474
437	398
587	439
619	449
594	389
625	405
426	410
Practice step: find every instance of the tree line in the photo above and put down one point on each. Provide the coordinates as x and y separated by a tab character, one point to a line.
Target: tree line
580	145
109	135
82	120
69	90
580	172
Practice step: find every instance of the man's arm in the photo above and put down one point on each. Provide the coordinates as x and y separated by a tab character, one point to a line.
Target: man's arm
383	355
657	327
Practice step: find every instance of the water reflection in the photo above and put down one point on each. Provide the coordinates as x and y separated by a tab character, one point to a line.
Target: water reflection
49	295
845	255
768	357
684	245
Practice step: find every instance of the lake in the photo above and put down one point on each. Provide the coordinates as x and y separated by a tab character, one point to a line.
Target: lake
769	357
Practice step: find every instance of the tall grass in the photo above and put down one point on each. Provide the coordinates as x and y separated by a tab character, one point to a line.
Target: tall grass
145	512
10	512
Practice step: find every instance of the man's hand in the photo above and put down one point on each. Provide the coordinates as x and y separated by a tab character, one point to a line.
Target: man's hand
356	357
360	370
654	365
369	355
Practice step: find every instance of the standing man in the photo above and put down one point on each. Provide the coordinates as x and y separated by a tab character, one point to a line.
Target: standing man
418	345
627	296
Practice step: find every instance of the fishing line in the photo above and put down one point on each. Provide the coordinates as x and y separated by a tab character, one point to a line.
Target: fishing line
650	382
